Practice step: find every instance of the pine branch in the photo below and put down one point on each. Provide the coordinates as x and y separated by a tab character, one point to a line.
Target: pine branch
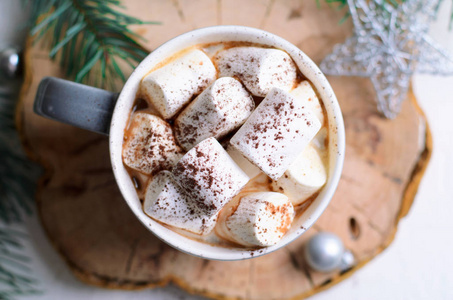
340	4
17	184
90	38
17	174
15	276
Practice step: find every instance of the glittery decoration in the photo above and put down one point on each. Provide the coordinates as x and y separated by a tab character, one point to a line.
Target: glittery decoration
389	45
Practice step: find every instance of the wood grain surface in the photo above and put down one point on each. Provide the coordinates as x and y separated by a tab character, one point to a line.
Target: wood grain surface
91	226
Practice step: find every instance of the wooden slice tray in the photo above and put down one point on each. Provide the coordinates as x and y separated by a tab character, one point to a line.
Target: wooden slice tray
91	226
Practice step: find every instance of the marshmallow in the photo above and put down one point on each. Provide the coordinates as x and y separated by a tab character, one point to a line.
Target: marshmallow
166	202
259	69
320	140
172	86
306	176
250	169
276	133
257	219
219	109
305	93
209	175
149	144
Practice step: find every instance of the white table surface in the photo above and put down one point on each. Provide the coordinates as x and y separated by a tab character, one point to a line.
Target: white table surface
417	265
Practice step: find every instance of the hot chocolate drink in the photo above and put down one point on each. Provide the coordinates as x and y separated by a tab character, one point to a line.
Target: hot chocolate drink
227	144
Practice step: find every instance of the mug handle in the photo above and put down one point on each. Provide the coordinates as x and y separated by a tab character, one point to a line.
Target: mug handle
75	104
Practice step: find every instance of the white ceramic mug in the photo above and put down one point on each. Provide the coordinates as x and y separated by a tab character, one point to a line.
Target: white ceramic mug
93	111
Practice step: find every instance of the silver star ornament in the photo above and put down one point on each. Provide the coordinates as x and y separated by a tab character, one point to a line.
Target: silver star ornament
389	45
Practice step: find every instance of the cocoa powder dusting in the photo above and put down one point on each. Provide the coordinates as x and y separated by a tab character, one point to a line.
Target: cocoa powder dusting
208	174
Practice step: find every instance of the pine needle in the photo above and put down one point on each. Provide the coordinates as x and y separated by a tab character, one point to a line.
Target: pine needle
339	4
17	173
15	278
87	36
17	185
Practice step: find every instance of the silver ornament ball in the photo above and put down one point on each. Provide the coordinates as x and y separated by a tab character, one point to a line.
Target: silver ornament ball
347	260
10	62
324	252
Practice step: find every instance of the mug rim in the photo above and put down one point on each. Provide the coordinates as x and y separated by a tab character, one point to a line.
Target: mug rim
228	33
